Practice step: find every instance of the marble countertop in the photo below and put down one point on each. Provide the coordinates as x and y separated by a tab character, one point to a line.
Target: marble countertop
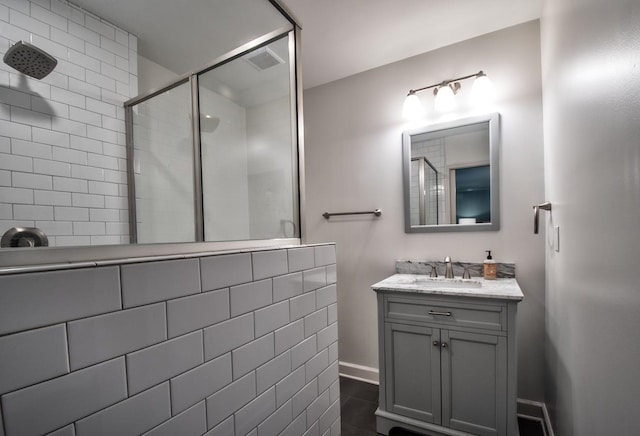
503	289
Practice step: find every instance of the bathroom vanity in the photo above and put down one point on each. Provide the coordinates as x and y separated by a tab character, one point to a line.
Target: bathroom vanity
448	353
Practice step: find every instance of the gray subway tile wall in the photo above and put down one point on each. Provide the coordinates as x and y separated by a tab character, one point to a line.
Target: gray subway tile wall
224	271
277	422
47	406
181	361
302	305
201	382
271	318
130	417
287	286
32	356
191	422
48	298
225	428
303	351
304	398
117	333
297	427
146	283
250	356
289	386
69	430
289	335
230	399
187	314
1	422
269	264
301	258
318	407
312	431
273	371
150	366
316	364
251	296
256	411
228	335
314	279
325	255
315	322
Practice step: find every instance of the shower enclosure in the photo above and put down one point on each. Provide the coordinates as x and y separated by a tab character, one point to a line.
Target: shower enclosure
425	185
213	156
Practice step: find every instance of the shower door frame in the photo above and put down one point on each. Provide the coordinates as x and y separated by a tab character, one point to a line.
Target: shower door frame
191	77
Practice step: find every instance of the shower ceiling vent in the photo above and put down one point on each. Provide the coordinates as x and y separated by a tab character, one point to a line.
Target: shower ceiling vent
263	58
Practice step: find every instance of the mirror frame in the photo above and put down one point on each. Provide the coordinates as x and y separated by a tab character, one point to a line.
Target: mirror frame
494	158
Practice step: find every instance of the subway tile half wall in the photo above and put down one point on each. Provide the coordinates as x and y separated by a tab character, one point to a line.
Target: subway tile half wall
75	360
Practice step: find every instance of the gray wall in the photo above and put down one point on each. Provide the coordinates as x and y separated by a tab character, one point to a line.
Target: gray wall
592	174
222	345
353	162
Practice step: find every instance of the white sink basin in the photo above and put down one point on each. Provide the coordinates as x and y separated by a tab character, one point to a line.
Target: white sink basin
441	282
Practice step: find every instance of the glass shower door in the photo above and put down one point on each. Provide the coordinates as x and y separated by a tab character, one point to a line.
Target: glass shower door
214	157
163	167
247	146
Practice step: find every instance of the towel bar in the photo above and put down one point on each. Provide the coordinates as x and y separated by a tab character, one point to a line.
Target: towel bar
376	212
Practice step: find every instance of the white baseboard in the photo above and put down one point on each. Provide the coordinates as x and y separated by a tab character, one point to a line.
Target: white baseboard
540	414
359	372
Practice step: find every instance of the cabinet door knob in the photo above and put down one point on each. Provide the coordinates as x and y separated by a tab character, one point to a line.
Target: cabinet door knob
436	343
444	345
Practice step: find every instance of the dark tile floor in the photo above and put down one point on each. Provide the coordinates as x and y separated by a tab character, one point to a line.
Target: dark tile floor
358	403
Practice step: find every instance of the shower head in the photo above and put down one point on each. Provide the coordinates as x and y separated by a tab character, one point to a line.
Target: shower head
30	60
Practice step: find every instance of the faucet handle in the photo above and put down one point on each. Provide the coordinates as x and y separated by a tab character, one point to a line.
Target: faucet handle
447	259
434	271
466	274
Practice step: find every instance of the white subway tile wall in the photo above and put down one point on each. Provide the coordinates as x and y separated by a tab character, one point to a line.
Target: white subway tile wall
62	139
435	151
181	361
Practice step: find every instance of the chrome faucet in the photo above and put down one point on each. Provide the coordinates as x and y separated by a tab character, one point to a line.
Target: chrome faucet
434	271
449	268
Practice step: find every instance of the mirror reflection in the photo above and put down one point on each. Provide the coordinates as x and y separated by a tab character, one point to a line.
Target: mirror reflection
451	176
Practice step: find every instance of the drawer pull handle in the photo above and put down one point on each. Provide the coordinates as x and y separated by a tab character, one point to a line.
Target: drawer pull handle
433	312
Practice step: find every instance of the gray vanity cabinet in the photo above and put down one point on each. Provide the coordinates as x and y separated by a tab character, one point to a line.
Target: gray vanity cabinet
412	371
474	382
446	365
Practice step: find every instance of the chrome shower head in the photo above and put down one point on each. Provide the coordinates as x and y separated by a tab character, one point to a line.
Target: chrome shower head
30	60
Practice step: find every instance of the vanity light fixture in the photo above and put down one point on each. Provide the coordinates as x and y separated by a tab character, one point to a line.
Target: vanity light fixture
481	93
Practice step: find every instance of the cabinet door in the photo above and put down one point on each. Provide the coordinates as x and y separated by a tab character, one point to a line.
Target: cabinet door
474	382
412	374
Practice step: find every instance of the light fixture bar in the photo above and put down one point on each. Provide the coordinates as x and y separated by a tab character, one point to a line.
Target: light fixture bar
446	82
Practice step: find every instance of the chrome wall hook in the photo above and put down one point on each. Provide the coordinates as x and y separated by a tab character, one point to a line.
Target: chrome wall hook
536	212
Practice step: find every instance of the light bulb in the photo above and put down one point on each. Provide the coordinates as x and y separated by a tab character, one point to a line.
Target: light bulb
445	99
412	108
482	92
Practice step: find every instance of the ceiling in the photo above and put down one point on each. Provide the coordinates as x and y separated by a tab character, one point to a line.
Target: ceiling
339	37
344	37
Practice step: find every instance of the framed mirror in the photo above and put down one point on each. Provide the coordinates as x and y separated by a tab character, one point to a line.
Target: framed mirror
451	176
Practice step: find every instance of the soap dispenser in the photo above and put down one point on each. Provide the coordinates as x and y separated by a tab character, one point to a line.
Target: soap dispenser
490	267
